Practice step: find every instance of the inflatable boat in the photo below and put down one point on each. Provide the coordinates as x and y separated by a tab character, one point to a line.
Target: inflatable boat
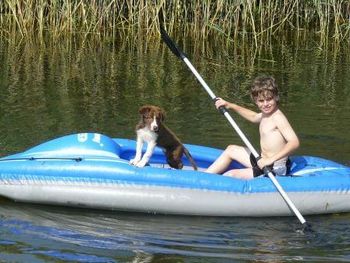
92	170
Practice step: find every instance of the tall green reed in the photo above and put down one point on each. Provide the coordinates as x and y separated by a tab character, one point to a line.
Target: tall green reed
223	20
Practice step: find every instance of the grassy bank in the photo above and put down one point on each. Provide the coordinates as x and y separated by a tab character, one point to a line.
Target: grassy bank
224	20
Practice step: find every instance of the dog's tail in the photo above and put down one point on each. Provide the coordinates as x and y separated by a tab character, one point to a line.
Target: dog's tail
189	157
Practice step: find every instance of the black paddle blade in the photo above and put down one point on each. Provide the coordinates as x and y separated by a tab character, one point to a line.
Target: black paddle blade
170	43
307	228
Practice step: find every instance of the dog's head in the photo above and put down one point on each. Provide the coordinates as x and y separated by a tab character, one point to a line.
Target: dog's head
152	116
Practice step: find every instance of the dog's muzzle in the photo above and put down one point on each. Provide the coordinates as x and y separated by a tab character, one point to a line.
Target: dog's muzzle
155	128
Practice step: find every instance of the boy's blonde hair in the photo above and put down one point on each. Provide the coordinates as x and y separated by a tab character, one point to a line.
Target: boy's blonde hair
265	87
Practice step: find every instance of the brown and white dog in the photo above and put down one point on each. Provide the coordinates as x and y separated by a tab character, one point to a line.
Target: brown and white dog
152	130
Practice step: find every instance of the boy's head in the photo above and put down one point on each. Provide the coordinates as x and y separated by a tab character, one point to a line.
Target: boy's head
265	88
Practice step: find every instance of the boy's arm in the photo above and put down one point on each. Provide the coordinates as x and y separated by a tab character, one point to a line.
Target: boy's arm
244	112
289	134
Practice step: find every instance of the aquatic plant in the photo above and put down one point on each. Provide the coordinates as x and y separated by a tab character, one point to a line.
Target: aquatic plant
224	20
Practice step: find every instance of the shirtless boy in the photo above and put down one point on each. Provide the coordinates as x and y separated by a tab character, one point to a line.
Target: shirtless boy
277	137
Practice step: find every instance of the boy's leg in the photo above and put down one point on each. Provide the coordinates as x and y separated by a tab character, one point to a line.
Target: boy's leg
232	152
244	173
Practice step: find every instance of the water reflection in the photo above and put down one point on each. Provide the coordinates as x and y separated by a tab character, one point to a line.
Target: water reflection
48	91
99	236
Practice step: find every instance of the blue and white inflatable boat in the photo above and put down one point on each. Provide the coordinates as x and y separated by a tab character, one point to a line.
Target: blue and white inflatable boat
92	170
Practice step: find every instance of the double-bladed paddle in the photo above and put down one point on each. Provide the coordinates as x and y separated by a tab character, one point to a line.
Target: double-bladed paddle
173	47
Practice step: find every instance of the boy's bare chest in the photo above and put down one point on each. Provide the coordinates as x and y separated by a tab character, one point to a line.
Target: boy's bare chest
267	127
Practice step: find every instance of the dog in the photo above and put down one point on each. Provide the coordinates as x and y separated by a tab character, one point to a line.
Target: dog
152	130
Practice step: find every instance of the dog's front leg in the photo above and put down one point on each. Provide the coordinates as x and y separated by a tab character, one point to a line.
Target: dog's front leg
150	147
137	158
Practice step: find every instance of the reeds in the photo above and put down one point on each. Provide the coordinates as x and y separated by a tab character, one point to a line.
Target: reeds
227	20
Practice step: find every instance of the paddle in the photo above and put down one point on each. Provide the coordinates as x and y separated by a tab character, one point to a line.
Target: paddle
173	47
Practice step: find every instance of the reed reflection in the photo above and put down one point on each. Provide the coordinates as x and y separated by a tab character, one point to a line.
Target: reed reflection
48	90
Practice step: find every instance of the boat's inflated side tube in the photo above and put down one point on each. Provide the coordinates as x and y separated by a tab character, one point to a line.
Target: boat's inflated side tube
81	144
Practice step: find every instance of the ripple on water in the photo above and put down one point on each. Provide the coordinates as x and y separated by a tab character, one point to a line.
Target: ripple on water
56	233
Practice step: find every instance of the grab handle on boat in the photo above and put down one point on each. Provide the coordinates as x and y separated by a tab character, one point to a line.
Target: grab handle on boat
173	47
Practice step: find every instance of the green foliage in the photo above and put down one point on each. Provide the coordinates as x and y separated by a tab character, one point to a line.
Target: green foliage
223	20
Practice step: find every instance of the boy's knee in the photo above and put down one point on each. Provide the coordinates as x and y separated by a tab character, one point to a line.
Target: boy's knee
231	148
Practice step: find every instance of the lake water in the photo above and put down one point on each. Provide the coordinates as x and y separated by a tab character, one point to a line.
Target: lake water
51	90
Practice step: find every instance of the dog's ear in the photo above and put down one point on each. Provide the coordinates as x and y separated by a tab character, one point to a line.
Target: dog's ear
161	114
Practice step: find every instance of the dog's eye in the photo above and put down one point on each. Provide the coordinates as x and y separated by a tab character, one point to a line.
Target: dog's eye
147	117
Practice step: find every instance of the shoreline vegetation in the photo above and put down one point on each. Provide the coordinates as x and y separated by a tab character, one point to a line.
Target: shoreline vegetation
221	21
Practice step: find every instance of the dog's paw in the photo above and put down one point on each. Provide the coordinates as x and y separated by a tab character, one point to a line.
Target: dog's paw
134	161
141	164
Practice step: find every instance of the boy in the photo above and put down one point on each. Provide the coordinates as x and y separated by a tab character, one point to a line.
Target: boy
277	138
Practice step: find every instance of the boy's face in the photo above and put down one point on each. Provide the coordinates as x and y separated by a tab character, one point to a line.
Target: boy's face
266	103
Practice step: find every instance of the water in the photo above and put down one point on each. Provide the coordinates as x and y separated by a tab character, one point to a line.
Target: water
48	234
53	90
